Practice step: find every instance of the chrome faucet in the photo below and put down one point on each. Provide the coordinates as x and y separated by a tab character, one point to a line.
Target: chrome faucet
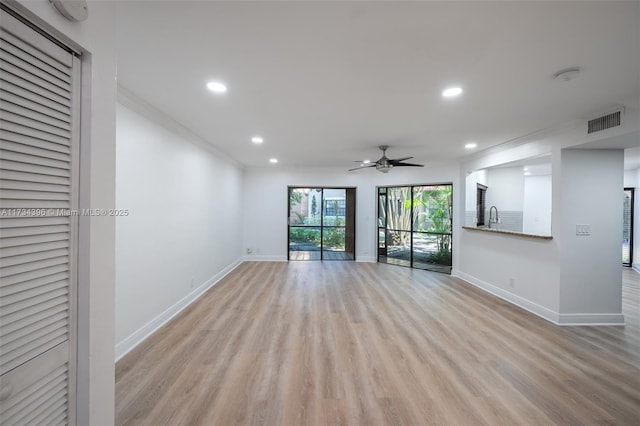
491	220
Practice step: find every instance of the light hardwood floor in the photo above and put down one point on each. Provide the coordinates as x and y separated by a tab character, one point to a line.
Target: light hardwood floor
337	343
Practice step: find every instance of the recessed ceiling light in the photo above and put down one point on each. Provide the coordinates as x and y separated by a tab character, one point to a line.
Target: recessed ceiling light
273	160
527	173
216	87
257	140
366	161
451	92
471	145
526	169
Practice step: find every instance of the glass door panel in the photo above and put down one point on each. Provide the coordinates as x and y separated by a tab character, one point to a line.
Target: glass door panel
304	242
415	227
398	212
334	212
321	223
305	232
398	248
382	222
397	226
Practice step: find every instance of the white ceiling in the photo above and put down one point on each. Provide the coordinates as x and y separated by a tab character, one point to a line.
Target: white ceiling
326	82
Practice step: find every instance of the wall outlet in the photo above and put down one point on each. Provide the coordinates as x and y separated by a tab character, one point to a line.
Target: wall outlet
512	282
583	230
249	251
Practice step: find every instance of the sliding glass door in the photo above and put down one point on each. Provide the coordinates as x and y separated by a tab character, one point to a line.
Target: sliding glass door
321	223
414	226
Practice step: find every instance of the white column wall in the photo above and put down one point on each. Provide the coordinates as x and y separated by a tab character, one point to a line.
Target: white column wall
591	194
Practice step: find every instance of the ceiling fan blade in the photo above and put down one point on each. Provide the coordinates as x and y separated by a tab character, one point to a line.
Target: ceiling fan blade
363	167
400	159
408	165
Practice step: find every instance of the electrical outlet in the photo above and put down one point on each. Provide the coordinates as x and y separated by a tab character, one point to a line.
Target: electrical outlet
512	282
583	230
249	250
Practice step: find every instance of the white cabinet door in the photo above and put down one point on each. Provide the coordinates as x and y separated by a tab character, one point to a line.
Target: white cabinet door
39	94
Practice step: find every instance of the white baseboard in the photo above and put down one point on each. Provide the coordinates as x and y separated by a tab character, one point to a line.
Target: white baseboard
539	310
259	258
591	319
137	337
525	304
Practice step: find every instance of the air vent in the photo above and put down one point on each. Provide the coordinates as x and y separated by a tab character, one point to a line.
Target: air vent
605	122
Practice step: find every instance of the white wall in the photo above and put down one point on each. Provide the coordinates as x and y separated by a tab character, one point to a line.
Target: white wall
184	228
522	270
590	193
265	231
471	196
96	39
537	205
505	188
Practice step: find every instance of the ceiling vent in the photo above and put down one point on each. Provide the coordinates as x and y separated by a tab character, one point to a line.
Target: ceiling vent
607	121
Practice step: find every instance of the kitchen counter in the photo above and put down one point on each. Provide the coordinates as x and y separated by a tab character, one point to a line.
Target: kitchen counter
505	232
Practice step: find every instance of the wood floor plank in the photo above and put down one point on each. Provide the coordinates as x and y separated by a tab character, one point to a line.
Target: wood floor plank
345	343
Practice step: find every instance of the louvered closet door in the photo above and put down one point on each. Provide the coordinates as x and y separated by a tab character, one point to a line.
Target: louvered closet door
39	84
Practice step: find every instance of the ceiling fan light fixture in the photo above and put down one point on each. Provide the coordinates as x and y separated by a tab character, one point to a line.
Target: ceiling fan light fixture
384	164
384	168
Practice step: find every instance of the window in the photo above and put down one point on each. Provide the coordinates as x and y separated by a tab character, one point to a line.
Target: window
332	205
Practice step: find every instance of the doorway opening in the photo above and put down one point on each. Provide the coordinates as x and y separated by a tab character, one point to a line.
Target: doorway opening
414	226
321	223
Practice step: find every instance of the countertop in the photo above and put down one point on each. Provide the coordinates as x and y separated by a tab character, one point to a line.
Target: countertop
505	232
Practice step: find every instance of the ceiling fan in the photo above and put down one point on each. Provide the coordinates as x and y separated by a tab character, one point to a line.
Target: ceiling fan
385	164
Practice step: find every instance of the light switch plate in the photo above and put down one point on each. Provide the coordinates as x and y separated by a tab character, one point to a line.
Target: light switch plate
583	230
